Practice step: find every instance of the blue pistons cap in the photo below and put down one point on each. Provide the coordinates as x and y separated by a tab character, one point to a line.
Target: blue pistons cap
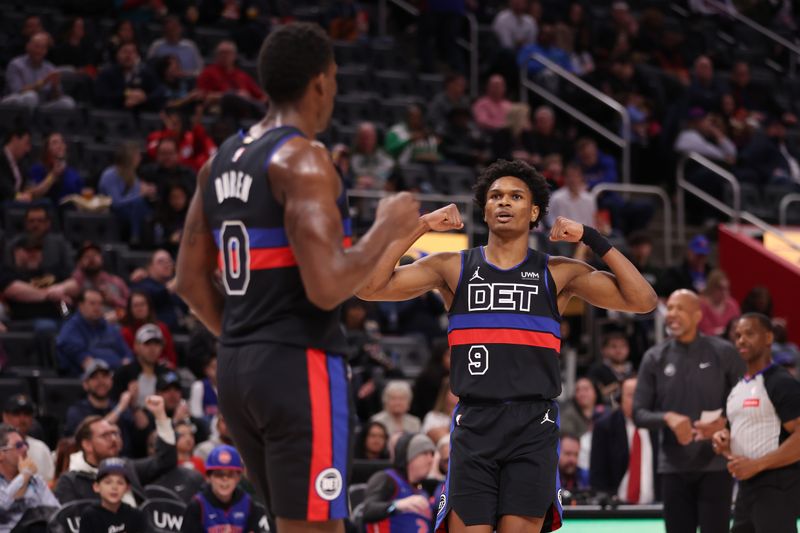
224	457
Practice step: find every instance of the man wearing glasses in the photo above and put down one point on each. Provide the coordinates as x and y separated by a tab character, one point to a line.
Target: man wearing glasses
98	440
21	488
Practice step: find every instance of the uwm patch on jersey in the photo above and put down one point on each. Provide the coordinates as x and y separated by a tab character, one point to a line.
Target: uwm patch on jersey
505	330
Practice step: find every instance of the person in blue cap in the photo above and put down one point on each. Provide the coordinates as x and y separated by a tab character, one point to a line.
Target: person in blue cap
221	503
692	273
111	513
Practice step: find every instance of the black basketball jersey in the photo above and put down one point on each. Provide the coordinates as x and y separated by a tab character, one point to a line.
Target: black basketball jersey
505	330
264	296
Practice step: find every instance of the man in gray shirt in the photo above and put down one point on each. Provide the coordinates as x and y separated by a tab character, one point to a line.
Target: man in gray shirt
32	81
679	380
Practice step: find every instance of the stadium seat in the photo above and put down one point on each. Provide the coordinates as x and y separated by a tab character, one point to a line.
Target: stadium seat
357	493
57	394
98	157
347	53
12	116
13	221
149	122
263	524
130	260
95	227
353	79
154	492
429	85
28	349
207	39
107	124
454	179
68	518
386	56
415	175
364	468
408	352
393	83
394	110
65	121
163	515
78	85
352	109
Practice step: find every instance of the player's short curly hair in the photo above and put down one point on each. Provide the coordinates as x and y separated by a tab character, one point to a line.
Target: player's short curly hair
290	57
517	169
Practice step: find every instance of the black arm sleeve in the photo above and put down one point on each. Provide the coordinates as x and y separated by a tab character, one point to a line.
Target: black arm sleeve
192	521
252	519
645	412
150	468
784	393
381	490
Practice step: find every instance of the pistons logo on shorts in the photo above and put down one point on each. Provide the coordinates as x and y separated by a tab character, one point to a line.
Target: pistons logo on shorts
442	503
329	484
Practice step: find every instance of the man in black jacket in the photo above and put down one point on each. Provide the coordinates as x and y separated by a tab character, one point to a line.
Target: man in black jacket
12	180
394	499
129	83
769	158
616	453
100	440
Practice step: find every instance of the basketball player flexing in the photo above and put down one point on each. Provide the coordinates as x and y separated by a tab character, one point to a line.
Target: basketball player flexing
505	302
270	213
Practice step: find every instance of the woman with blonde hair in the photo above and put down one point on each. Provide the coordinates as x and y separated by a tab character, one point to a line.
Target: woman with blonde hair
717	304
515	140
130	197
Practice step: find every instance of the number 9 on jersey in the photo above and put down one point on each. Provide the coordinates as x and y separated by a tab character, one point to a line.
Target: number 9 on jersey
478	360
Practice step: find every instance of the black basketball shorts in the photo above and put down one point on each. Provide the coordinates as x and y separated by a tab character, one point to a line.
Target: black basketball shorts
290	414
503	461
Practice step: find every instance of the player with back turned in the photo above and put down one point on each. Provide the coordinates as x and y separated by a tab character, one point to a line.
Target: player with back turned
270	212
505	302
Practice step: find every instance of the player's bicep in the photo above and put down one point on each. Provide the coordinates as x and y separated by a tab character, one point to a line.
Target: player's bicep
197	247
598	288
410	281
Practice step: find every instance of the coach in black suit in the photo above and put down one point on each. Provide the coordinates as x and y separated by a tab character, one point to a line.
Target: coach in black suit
611	453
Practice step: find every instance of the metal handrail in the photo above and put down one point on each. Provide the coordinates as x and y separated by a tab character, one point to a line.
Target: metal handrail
645	189
734	212
784	207
622	141
766	32
468	201
470	46
750	218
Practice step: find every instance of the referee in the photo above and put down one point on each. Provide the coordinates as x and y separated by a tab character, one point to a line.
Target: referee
678	380
763	444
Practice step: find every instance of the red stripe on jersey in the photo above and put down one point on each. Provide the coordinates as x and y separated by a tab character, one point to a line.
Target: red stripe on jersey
751	402
265	258
384	526
322	439
504	336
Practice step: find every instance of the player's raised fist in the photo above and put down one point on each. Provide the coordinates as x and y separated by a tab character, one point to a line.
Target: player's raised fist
444	219
566	230
400	212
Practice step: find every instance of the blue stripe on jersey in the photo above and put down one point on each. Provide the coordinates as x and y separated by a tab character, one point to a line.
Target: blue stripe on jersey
505	320
276	237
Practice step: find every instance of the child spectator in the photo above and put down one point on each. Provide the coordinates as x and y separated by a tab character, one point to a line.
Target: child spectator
111	514
222	505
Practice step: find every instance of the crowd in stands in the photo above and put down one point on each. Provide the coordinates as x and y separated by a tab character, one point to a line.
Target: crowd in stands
153	88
